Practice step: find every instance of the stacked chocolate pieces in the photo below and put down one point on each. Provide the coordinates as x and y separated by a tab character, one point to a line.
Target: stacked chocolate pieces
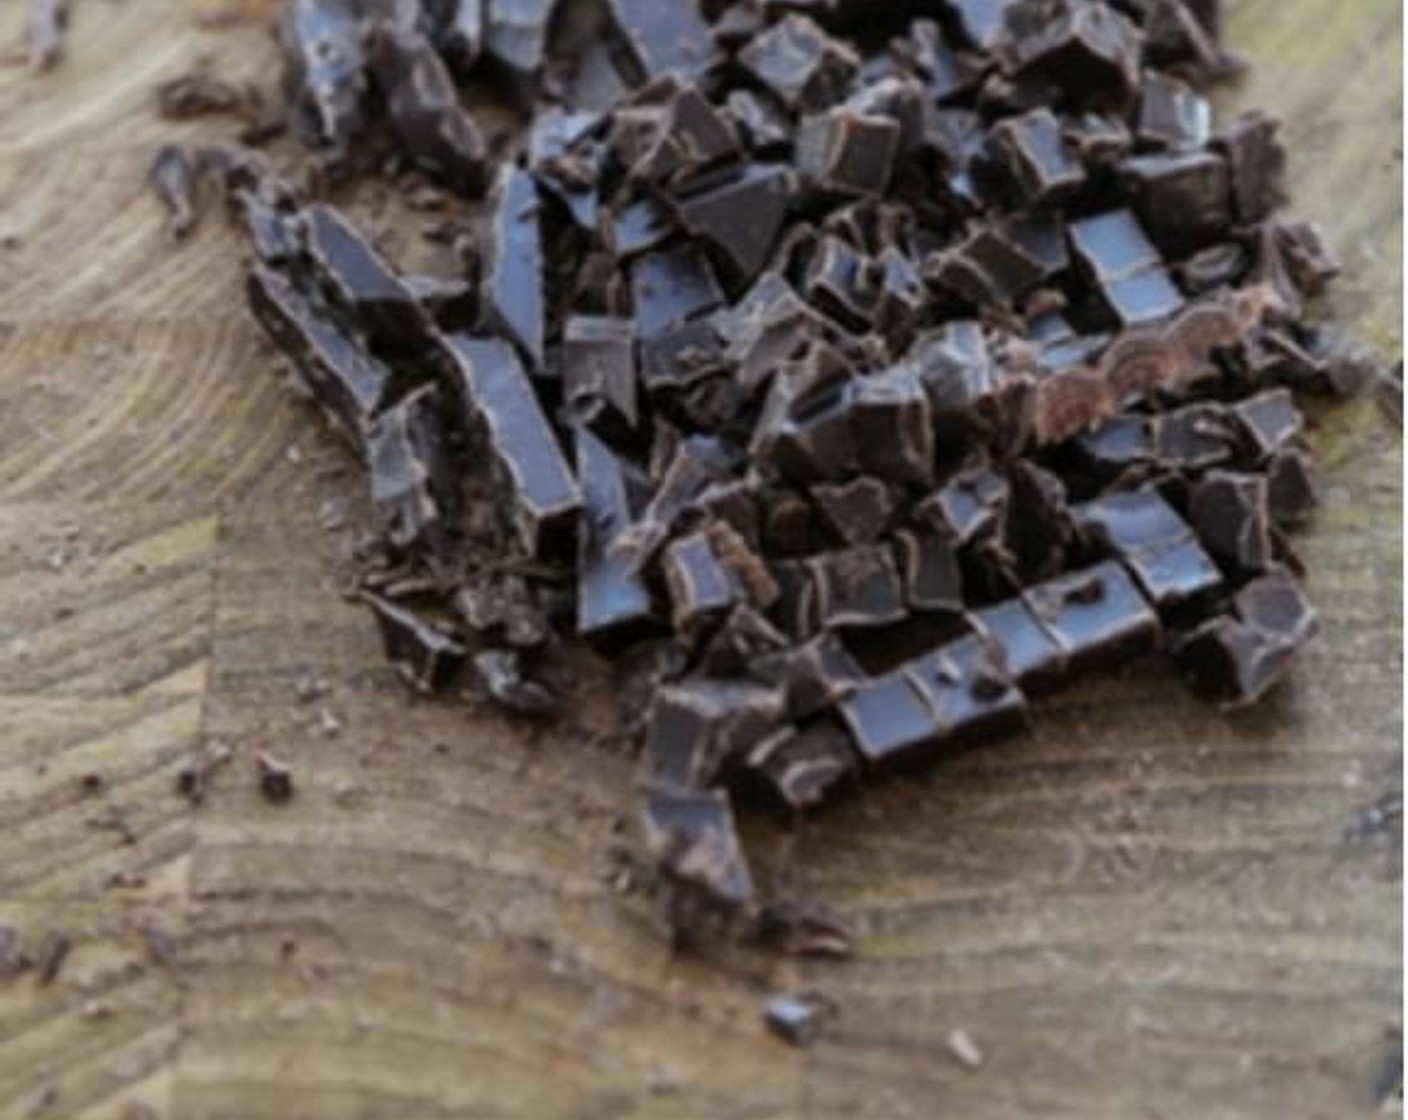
851	373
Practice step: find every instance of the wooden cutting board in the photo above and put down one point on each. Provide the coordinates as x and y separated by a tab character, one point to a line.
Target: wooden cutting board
1141	910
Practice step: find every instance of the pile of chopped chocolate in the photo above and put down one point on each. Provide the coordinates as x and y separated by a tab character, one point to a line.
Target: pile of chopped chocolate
851	373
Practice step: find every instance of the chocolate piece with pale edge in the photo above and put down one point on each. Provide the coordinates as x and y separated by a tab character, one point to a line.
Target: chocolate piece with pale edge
692	838
613	602
412	487
426	657
512	287
1097	615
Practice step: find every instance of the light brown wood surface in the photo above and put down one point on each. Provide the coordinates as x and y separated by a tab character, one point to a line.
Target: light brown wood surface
1141	911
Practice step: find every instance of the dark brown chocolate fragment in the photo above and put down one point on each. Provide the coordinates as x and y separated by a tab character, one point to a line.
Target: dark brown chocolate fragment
1172	115
1214	267
424	108
1029	650
612	601
425	655
661	39
457	27
1087	50
701	586
958	374
982	22
929	565
506	682
512	287
639	224
1183	199
670	286
682	137
412	486
803	931
691	836
1042	167
349	384
959	690
814	675
1158	547
1292	488
1126	268
173	177
846	152
1200	435
742	216
803	765
1237	658
1097	615
700	728
798	1020
858	587
275	778
858	511
970	507
326	76
800	63
599	370
541	496
1257	163
515	36
1117	444
763	128
1230	512
1268	422
200	93
360	281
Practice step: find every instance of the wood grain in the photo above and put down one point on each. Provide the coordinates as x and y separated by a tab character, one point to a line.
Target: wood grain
1141	910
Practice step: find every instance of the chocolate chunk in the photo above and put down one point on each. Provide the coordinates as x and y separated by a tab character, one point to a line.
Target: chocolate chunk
424	108
613	603
682	355
512	292
458	30
858	511
857	586
1098	140
700	728
426	657
1097	615
802	765
359	280
1230	512
1292	488
891	426
1201	435
799	62
515	35
599	370
971	506
845	152
700	585
1184	199
1029	650
929	564
1141	529
453	303
692	838
1118	443
661	38
1268	421
1131	280
502	675
412	487
1238	658
946	73
327	73
200	93
1087	50
960	690
682	138
957	372
990	267
1043	168
744	635
1257	163
691	467
670	286
172	177
798	1020
1171	115
741	217
275	779
836	283
540	494
349	384
638	225
983	22
814	675
764	129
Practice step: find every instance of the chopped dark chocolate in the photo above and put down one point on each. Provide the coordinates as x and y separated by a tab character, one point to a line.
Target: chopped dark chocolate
512	292
612	600
670	286
741	217
424	108
1268	422
802	765
814	675
412	486
275	778
798	1020
1292	488
691	835
1087	50
501	673
426	657
801	63
699	729
858	511
173	176
1231	514
1257	165
1184	199
1097	615
539	492
1129	274
857	586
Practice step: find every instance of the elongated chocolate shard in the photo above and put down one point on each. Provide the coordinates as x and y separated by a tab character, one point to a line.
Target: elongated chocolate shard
613	602
412	487
326	77
857	511
1032	654
660	39
1125	266
363	284
540	495
506	682
1239	657
1089	51
1183	199
814	675
1268	422
959	691
349	384
426	656
692	837
1257	165
173	178
425	110
511	293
